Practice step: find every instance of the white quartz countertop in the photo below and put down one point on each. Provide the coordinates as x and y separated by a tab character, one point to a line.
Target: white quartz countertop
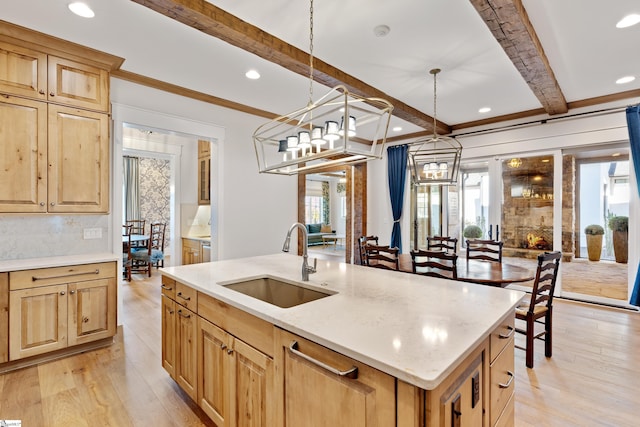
413	327
54	261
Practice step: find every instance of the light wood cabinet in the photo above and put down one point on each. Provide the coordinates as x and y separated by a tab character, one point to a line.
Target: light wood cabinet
186	373
192	250
55	308
204	172
4	317
54	113
169	335
502	387
78	178
314	394
236	380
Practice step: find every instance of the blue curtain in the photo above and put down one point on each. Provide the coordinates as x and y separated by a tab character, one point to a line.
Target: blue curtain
397	166
633	123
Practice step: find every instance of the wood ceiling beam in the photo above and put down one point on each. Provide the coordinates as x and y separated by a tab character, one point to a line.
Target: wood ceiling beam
211	20
509	23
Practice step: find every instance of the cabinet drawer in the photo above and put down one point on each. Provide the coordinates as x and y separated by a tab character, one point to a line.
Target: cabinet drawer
168	287
508	415
250	329
26	279
502	381
501	336
186	296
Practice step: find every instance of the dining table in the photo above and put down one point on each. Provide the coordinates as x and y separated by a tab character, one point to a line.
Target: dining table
482	272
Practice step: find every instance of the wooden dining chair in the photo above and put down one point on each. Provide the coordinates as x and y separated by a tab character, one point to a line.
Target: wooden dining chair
443	243
539	309
126	252
487	250
137	227
362	241
435	263
383	257
153	254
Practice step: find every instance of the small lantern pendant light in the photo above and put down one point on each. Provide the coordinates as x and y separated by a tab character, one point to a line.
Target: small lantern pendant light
435	160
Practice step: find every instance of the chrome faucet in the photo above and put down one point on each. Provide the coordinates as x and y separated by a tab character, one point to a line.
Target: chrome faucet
306	268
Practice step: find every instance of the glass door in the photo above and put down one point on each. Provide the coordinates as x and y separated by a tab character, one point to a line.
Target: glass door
474	200
427	212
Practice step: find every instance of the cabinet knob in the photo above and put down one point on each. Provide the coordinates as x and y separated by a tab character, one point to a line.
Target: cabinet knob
72	292
52	204
229	351
52	94
85	320
62	292
223	346
41	203
41	92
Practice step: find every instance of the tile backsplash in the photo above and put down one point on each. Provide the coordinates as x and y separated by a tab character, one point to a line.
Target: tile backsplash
36	236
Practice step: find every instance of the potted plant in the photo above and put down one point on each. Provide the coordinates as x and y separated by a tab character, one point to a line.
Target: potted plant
472	232
620	227
594	234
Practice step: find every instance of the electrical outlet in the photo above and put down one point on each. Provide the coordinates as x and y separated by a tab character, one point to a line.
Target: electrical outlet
92	233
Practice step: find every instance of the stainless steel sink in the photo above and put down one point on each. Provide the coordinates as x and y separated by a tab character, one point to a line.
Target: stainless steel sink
278	292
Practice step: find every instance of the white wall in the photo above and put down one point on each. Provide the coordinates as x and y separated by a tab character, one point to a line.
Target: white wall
254	210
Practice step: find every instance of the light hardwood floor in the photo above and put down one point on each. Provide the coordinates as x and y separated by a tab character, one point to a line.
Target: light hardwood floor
593	378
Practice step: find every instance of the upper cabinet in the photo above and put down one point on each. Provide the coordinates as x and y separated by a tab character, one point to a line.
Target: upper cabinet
54	113
204	172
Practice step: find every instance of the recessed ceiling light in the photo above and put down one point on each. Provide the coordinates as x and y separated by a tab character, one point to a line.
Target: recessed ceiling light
484	110
397	129
628	21
626	79
615	155
252	74
81	9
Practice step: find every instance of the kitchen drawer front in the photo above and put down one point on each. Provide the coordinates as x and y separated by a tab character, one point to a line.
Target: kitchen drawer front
507	417
502	380
501	336
250	329
26	279
168	287
186	296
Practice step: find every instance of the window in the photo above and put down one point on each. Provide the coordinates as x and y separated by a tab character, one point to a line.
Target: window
343	206
313	209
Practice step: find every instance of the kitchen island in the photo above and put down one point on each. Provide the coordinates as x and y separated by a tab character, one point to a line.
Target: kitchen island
437	340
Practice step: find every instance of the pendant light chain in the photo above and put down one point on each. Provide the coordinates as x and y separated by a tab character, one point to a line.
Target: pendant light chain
311	53
435	72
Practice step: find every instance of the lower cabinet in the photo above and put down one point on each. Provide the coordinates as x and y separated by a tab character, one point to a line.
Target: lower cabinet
236	380
55	308
4	317
191	251
320	387
186	373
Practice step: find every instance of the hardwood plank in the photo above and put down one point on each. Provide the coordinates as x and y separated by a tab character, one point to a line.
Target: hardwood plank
20	399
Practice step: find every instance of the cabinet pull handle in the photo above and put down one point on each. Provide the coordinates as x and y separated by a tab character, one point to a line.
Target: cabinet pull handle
35	278
186	316
350	373
184	298
508	384
511	331
166	288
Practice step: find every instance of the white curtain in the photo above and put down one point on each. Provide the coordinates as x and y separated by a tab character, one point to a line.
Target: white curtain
131	188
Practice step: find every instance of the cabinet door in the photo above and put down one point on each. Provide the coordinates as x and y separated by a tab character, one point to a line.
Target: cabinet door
23	155
316	396
4	317
77	84
213	366
204	181
252	388
92	310
169	336
186	351
24	71
38	320
190	252
78	161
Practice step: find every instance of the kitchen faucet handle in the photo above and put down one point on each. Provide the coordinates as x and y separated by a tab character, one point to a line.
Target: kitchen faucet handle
315	265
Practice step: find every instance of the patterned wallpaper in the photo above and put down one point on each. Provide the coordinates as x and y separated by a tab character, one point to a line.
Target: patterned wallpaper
155	195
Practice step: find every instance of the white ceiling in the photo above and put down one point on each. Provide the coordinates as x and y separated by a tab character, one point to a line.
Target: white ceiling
585	50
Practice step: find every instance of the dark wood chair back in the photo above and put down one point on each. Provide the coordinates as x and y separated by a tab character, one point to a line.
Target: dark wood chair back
138	225
362	241
382	257
435	264
487	250
442	243
539	308
126	251
153	253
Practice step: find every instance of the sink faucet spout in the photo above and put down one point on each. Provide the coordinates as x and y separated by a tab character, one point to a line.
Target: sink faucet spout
306	268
